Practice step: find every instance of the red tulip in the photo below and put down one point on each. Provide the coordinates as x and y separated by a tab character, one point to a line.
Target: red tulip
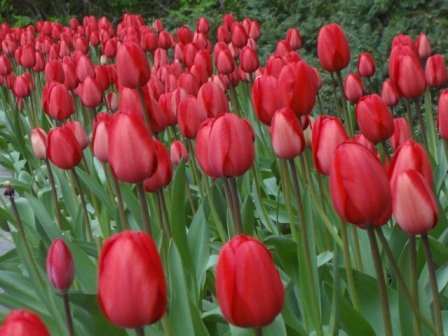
402	133
63	150
57	101
359	186
362	140
184	35
293	38
39	143
164	172
112	101
60	266
442	114
232	157
423	46
286	134
23	323
249	60
132	66
414	203
28	56
131	282
178	152
79	133
389	93
239	35
190	117
333	49
374	118
130	141
224	60
248	286
212	100
90	92
435	71
5	66
54	72
189	83
23	85
203	26
164	41
70	79
353	87
366	65
223	34
254	30
328	133
408	75
266	103
84	68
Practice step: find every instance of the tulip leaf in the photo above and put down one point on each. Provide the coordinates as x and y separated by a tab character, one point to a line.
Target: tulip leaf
276	328
90	183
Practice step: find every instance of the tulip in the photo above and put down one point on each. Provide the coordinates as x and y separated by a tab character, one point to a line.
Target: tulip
57	101
190	117
435	71
90	92
248	286
254	30
362	140
408	75
223	34
60	266
274	65
112	101
353	87
402	133
5	66
232	157
265	103
403	39
84	68
132	66
189	83
100	145
28	56
286	134
249	60
224	61
293	38
164	41
54	72
333	49
131	282
79	133
359	186
212	100
328	133
184	35
423	46
239	36
39	143
178	152
23	85
63	150
366	65
23	323
374	118
164	172
389	93
130	141
70	79
414	203
203	26
442	114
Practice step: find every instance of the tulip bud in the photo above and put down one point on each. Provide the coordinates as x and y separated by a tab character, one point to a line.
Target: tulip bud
23	85
129	140
5	66
414	203
184	35
366	65
178	152
402	133
57	101
423	46
23	323
100	144
203	26
328	133
212	100
39	143
442	114
359	186
362	140
435	71
239	36
332	48
79	133
112	101
374	118
84	68
63	150
54	72
60	267
190	117
248	286
408	75
164	172
286	134
389	93
249	60
353	87
28	56
90	93
224	61
131	282
293	38
265	103
132	66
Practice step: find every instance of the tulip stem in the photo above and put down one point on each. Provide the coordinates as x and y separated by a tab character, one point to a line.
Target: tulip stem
430	122
234	99
258	331
144	212
421	121
68	314
121	212
409	111
219	226
233	202
396	269
84	205
57	210
380	280
140	331
348	115
335	306
269	225
194	168
357	249
164	213
333	81
434	288
413	275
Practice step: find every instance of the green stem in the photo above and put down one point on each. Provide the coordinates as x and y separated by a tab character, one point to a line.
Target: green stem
121	212
269	224
409	111
57	210
258	332
431	125
434	288
234	99
421	121
335	307
84	205
357	249
380	280
144	212
140	331
219	226
165	219
166	325
333	81
190	196
234	204
68	315
413	276
347	113
194	168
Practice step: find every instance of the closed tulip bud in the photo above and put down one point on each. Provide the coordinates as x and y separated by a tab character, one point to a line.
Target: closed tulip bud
63	150
110	48
131	282
366	65
23	85
402	133
414	203
60	266
190	117
286	134
40	62
362	140
28	56
353	87
328	133
293	38
203	26
298	87
39	143
411	155
70	79
254	30
435	71
23	323
212	100
249	60
90	93
389	93
54	72
333	49
112	101
203	59
57	102
442	114
149	41
189	83
184	35
265	103
403	39
178	152
408	75
224	61
359	186
132	65
160	58
165	40
374	118
274	65
84	68
423	46
79	133
223	34
248	286
129	140
239	35
100	145
158	25
225	158
5	66
164	172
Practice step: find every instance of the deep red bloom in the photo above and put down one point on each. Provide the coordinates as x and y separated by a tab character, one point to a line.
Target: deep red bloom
286	134
164	172
63	150
132	66
60	266
333	49
23	323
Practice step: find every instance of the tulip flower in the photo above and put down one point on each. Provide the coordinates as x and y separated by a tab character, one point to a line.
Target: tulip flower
249	60
57	102
286	134
54	72
5	66
239	35
435	71
248	286
100	143
84	68
407	73
414	203
402	133
362	140
131	282
90	92
442	114
178	152
366	65
132	66
39	143
353	87
359	186
190	116
212	100
23	323
63	150
60	266
389	93
79	133
333	49
423	46
374	118
265	103
293	38
224	60
23	85
164	172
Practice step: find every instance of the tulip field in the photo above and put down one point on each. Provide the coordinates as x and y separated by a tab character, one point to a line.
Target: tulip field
175	181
